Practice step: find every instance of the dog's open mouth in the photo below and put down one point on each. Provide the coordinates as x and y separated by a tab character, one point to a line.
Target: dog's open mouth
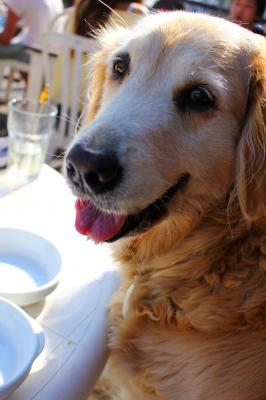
106	227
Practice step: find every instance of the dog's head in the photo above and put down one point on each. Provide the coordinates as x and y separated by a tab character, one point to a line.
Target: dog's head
176	126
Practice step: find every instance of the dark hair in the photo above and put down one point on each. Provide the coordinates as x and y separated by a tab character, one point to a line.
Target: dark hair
260	4
168	5
91	14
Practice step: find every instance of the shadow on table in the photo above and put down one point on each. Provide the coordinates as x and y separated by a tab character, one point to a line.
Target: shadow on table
81	354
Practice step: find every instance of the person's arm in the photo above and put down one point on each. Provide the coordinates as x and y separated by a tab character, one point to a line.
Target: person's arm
10	27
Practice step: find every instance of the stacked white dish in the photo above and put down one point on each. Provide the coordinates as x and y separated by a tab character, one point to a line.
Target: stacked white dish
21	341
30	268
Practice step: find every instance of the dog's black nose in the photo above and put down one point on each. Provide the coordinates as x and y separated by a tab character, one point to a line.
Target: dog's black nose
99	172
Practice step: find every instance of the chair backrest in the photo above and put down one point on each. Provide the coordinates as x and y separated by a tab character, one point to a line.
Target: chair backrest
64	56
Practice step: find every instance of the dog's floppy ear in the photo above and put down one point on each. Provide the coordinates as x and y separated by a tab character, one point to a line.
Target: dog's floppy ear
251	164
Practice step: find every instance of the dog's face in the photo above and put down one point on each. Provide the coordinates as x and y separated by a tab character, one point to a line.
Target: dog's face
169	103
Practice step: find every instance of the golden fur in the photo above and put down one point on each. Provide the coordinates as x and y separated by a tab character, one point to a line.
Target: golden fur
196	322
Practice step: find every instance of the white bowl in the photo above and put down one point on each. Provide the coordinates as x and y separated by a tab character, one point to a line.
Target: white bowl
21	341
30	266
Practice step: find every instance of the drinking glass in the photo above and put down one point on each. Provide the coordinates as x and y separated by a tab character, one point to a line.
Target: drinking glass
30	124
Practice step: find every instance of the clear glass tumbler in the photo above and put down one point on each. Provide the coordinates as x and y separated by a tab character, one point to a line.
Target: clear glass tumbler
30	124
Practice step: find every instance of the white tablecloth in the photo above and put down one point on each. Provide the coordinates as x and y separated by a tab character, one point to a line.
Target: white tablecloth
73	317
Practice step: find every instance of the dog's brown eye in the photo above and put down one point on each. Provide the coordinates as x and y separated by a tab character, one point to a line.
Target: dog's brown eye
120	66
197	98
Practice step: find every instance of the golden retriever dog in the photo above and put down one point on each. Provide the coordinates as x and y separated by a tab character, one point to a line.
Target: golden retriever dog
170	166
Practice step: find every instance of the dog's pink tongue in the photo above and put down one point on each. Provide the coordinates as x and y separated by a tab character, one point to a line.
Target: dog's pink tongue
91	221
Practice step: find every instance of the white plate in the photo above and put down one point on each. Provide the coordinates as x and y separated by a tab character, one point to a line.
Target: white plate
21	341
29	266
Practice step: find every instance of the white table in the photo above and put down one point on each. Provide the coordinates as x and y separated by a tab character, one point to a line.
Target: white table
73	317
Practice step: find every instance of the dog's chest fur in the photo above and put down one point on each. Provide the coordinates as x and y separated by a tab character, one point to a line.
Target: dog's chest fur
194	334
150	360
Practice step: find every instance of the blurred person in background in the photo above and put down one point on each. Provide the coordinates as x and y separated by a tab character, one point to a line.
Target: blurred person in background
35	16
248	13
